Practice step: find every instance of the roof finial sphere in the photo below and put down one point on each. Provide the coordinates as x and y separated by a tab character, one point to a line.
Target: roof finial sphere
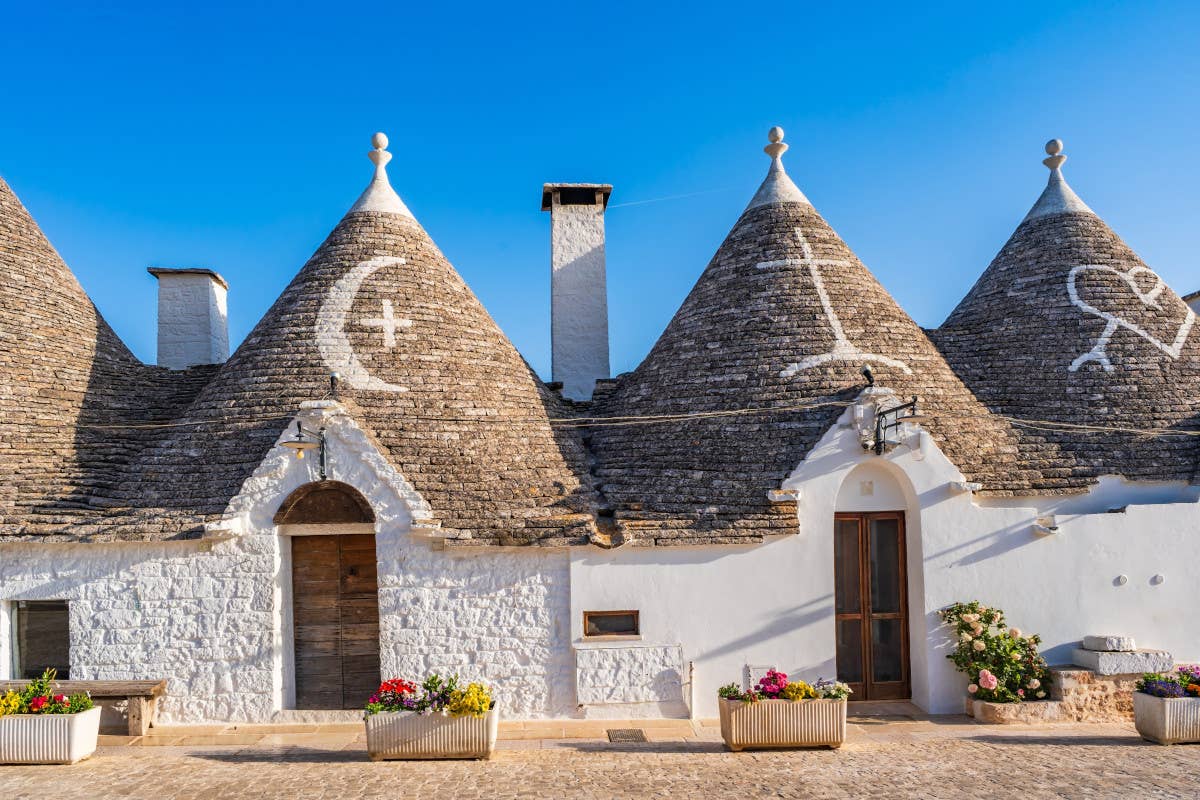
379	141
775	134
1054	147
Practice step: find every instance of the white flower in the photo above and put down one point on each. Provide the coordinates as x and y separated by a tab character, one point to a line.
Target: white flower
993	631
1034	683
1014	632
965	637
1041	694
979	645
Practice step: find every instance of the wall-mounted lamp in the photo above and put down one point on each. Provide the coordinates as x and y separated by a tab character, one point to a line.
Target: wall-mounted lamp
868	374
308	440
891	419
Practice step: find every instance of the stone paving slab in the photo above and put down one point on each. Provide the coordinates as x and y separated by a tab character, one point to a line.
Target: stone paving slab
919	758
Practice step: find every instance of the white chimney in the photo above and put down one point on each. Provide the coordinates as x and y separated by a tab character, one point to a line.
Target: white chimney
578	290
192	325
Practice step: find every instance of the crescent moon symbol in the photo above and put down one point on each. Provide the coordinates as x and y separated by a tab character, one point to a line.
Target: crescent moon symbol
330	328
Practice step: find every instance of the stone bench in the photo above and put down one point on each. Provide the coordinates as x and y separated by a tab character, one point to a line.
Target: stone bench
141	698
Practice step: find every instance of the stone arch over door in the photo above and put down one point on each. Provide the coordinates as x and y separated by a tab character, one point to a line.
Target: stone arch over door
335	594
871	596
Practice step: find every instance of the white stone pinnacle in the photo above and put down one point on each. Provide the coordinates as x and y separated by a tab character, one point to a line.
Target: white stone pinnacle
380	196
778	187
1058	196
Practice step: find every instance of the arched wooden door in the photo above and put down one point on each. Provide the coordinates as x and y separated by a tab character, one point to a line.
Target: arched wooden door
335	597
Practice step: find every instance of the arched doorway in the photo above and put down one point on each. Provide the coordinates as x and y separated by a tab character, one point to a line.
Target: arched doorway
871	586
335	595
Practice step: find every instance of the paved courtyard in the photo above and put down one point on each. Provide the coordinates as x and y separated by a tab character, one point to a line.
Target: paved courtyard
894	756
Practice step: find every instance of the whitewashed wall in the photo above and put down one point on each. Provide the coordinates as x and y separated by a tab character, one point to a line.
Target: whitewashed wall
725	606
1062	586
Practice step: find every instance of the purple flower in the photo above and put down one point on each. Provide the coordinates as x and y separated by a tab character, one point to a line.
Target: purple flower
1162	688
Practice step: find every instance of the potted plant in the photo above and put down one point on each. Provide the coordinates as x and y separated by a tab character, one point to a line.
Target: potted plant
1166	706
1002	663
782	713
438	719
40	726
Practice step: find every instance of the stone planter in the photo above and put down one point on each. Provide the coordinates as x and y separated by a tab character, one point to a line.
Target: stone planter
1167	720
48	738
406	735
783	723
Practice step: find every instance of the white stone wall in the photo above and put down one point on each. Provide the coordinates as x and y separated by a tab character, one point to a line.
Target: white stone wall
579	299
630	679
498	616
192	320
200	618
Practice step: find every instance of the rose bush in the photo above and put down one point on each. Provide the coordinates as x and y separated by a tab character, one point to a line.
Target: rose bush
1002	663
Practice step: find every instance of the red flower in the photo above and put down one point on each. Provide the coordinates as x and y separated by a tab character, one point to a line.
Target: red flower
36	704
60	698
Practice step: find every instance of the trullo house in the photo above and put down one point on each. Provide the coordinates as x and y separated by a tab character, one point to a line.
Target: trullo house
796	476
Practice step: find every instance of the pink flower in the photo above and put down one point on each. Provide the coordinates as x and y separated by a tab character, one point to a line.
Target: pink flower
60	698
972	688
1021	692
987	680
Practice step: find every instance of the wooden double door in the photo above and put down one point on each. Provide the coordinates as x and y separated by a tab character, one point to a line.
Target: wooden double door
872	605
335	613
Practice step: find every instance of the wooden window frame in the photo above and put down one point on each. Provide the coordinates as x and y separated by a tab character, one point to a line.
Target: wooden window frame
637	624
869	689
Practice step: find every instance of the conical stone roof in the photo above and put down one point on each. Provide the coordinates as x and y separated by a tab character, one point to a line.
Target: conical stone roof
69	388
1068	325
780	323
424	369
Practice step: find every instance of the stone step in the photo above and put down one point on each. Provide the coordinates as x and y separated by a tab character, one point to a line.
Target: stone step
299	717
1123	663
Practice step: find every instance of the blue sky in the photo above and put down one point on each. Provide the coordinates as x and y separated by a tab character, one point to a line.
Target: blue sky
234	137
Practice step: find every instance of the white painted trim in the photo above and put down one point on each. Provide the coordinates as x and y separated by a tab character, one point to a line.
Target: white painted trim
8	640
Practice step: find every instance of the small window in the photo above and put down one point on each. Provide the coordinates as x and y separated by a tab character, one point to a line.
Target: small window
611	623
43	638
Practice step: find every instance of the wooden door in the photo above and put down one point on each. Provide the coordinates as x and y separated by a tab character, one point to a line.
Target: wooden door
335	613
871	605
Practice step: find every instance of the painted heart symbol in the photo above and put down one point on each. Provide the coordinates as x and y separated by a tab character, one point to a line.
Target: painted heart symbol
1146	287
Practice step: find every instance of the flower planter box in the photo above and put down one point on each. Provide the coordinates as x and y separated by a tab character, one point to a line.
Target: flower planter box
783	723
1167	720
48	738
407	735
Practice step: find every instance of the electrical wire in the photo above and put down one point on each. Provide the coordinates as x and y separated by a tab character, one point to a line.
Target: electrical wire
653	419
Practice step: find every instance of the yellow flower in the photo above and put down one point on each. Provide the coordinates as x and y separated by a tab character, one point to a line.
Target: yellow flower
798	690
474	701
10	703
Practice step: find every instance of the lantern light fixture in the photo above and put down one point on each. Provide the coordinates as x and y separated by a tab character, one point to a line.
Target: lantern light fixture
308	440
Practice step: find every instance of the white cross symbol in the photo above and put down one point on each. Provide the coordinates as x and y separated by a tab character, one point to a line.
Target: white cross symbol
388	324
842	350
